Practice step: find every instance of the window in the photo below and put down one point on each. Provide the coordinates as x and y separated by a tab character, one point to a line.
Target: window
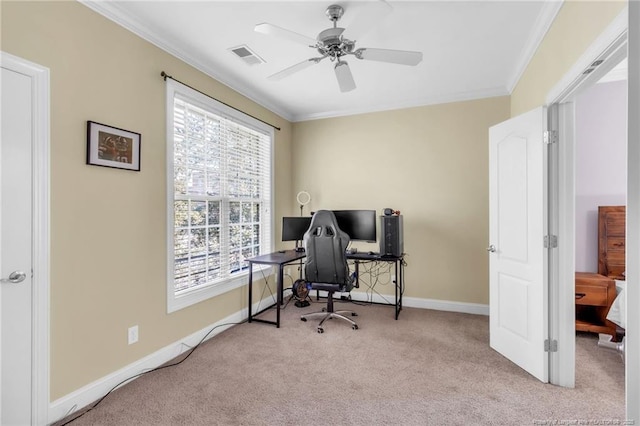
219	195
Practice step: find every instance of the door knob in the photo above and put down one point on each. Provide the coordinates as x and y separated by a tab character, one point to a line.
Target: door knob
491	249
14	277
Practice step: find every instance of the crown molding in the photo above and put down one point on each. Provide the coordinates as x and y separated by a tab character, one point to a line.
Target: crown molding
543	22
113	12
426	101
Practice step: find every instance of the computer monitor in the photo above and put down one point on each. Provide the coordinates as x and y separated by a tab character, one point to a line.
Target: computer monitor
293	228
360	225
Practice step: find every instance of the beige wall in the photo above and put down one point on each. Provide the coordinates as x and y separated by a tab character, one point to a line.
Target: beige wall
575	28
108	238
431	163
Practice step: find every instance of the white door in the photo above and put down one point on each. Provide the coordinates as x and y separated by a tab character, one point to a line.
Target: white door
15	248
518	305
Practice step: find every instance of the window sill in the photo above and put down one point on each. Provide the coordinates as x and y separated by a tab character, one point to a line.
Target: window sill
176	302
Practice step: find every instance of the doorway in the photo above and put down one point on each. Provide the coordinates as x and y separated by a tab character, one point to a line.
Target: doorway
599	58
600	181
24	292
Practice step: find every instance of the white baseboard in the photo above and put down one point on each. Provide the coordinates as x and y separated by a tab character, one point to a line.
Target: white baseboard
415	302
446	305
90	393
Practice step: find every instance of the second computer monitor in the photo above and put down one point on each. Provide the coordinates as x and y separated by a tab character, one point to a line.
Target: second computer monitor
360	225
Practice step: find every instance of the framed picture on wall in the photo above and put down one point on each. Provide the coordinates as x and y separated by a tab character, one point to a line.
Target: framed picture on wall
109	146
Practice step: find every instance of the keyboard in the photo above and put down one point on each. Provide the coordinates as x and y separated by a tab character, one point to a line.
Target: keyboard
363	255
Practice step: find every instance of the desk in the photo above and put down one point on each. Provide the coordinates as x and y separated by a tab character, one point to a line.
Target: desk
398	262
281	259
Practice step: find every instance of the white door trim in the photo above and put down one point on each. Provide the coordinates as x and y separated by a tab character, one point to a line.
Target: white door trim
562	260
633	217
41	239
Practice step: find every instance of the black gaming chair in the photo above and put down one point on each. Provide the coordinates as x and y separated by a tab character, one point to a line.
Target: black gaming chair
326	265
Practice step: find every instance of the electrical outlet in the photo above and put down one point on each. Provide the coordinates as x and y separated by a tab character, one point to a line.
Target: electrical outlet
132	334
393	278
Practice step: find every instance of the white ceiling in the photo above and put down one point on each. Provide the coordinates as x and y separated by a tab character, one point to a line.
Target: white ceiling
472	49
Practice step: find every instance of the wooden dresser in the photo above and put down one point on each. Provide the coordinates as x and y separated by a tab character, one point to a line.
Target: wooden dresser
596	292
594	295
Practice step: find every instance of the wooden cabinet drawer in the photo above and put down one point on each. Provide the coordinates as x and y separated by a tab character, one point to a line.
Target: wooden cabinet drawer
594	289
591	295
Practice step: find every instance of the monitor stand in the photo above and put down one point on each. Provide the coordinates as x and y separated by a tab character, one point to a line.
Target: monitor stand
299	248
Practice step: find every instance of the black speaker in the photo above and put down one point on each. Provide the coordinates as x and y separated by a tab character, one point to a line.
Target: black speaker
391	239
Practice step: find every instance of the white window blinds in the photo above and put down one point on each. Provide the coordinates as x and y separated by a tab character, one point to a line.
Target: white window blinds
221	195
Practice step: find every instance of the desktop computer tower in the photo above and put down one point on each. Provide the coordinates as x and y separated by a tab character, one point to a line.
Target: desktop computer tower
391	236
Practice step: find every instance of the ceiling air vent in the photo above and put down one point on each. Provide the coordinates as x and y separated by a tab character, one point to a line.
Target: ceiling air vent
247	55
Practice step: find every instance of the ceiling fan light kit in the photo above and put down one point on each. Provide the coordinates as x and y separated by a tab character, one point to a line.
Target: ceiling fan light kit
332	44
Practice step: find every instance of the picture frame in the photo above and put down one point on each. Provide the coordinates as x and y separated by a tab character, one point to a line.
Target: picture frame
109	146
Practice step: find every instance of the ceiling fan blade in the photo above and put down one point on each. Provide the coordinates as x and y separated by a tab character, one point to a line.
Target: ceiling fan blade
293	69
273	30
345	79
371	16
402	57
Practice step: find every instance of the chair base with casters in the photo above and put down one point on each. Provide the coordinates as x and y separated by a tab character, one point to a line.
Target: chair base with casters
329	312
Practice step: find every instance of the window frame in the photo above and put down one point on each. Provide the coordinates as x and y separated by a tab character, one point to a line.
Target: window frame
190	297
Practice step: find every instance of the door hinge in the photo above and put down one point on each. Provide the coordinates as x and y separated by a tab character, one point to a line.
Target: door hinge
551	346
550	241
550	136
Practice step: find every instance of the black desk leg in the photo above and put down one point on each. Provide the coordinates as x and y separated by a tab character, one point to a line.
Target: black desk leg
401	281
397	283
281	285
250	288
280	290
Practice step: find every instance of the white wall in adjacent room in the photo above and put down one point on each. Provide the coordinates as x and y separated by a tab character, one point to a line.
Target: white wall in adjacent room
601	156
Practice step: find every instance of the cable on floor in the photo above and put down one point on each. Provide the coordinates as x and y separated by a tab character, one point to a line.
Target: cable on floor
161	367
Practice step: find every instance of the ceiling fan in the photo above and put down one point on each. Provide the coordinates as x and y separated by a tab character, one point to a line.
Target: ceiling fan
332	43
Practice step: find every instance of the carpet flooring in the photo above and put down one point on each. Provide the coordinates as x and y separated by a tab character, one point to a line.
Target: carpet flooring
427	368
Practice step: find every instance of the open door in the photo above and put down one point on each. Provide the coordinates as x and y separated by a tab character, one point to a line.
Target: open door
518	257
